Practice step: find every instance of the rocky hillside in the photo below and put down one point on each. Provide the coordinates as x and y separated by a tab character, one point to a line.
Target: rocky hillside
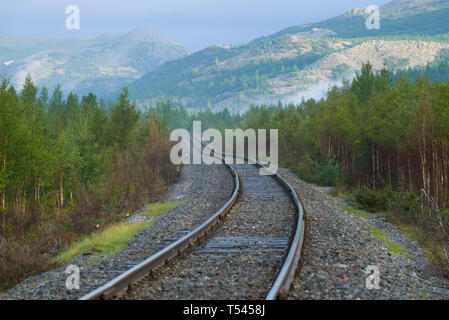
300	62
316	78
102	65
398	17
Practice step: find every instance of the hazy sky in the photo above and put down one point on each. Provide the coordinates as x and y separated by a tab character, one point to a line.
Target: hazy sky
193	23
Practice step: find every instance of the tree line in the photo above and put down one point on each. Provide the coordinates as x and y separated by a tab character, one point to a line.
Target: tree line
382	139
69	166
384	143
374	131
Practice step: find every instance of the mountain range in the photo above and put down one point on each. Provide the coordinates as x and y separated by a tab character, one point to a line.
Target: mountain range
102	65
301	61
295	63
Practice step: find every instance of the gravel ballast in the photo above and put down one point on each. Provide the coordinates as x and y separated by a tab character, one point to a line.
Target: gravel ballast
339	247
242	258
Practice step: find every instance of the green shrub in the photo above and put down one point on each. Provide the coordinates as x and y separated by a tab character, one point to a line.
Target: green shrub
368	199
445	214
372	200
305	169
68	225
387	198
327	174
410	202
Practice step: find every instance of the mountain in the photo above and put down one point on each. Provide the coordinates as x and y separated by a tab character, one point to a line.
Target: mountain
398	17
101	65
301	61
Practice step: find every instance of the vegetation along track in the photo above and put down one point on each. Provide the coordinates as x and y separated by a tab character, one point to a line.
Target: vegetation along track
249	249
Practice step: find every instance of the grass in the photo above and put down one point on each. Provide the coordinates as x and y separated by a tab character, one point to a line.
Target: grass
428	236
159	207
113	239
108	242
93	261
412	233
433	249
395	248
358	213
424	295
338	193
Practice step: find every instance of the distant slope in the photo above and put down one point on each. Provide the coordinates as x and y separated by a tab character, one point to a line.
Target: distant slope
102	65
398	17
208	77
300	61
437	71
233	78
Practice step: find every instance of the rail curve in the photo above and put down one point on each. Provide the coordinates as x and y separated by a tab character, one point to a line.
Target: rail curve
283	280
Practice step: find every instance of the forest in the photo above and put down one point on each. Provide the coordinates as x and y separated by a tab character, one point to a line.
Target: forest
437	71
71	166
378	131
382	138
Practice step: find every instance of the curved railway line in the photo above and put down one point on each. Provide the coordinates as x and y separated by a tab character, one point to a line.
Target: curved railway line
252	244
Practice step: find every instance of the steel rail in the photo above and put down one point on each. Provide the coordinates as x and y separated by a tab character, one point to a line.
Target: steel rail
285	276
142	269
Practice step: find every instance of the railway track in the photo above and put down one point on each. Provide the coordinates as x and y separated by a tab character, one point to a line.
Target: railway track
248	249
